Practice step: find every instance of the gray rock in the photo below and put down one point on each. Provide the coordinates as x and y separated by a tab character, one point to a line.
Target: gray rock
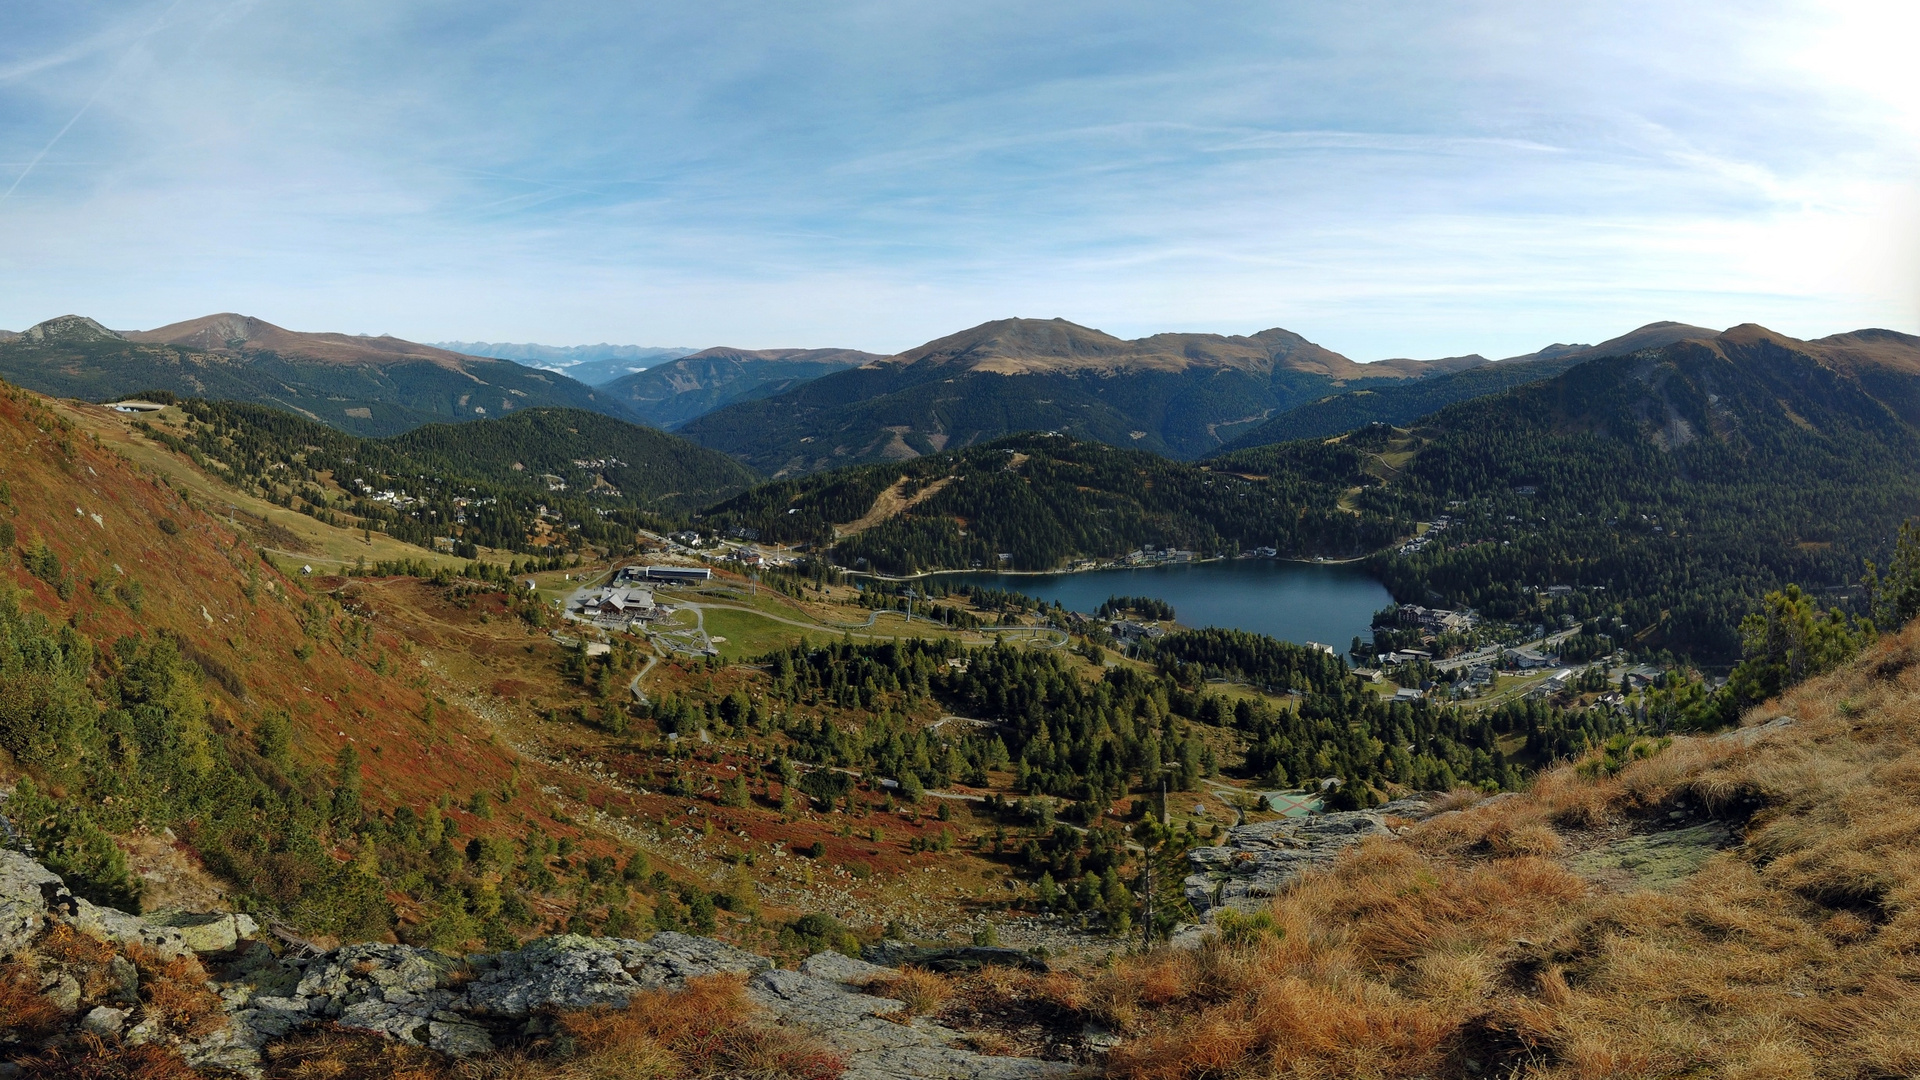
573	972
146	1031
460	1040
1747	736
211	932
843	969
358	973
127	978
119	928
25	889
63	990
258	969
877	1045
103	1021
959	958
1257	861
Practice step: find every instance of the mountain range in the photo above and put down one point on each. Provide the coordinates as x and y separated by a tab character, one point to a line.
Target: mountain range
366	385
1178	395
673	393
594	365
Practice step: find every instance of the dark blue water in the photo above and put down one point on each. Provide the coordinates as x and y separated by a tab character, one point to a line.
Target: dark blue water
1298	602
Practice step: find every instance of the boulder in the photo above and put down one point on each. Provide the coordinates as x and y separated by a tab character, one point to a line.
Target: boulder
26	887
948	960
1257	861
843	969
208	932
119	928
868	1030
104	1022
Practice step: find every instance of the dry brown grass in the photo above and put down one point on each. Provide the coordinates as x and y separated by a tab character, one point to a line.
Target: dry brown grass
1469	949
23	1010
175	990
921	991
92	1059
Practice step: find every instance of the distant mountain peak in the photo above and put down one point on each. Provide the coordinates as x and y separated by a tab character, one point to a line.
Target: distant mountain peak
232	332
69	328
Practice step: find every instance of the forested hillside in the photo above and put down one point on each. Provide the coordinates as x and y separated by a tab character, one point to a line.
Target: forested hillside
1178	395
1402	403
1043	500
1671	488
480	483
156	673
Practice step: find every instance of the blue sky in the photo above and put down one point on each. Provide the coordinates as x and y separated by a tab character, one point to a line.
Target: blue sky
1387	178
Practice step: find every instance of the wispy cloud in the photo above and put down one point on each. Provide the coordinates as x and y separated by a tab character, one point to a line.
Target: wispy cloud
1390	177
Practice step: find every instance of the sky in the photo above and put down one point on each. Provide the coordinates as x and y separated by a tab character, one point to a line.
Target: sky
1423	178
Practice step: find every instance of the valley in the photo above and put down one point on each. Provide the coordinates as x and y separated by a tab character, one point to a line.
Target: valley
346	686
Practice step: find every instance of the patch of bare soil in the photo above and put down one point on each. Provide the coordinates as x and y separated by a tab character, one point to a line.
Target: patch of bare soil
174	879
893	501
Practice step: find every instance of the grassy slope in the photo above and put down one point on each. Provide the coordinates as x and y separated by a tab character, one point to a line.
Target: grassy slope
1492	942
291	539
194	584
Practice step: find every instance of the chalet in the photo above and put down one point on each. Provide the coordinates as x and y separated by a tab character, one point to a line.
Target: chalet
630	603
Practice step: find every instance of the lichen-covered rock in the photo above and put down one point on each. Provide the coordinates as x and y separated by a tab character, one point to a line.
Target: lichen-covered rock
118	927
1257	861
877	1044
207	932
575	972
843	969
25	889
104	1021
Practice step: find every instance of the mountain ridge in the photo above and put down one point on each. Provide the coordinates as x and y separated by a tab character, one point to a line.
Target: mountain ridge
677	391
1172	394
1402	404
366	385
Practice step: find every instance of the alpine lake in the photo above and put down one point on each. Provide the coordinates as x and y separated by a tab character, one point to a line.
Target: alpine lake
1292	601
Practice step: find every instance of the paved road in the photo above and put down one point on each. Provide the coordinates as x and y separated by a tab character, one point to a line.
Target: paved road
1493	651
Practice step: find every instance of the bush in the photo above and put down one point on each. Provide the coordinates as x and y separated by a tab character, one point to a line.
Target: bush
817	931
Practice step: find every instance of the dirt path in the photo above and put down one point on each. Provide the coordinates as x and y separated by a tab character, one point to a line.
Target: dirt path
891	502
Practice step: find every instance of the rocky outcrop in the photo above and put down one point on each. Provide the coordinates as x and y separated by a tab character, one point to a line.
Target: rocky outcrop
1258	861
26	888
466	1006
825	996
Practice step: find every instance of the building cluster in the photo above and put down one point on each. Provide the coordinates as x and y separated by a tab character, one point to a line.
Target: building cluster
1129	632
1150	556
1434	529
1438	621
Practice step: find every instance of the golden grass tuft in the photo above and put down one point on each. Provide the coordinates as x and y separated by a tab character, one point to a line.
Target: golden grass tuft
922	992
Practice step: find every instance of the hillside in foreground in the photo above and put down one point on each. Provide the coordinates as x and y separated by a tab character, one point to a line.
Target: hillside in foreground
1744	904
